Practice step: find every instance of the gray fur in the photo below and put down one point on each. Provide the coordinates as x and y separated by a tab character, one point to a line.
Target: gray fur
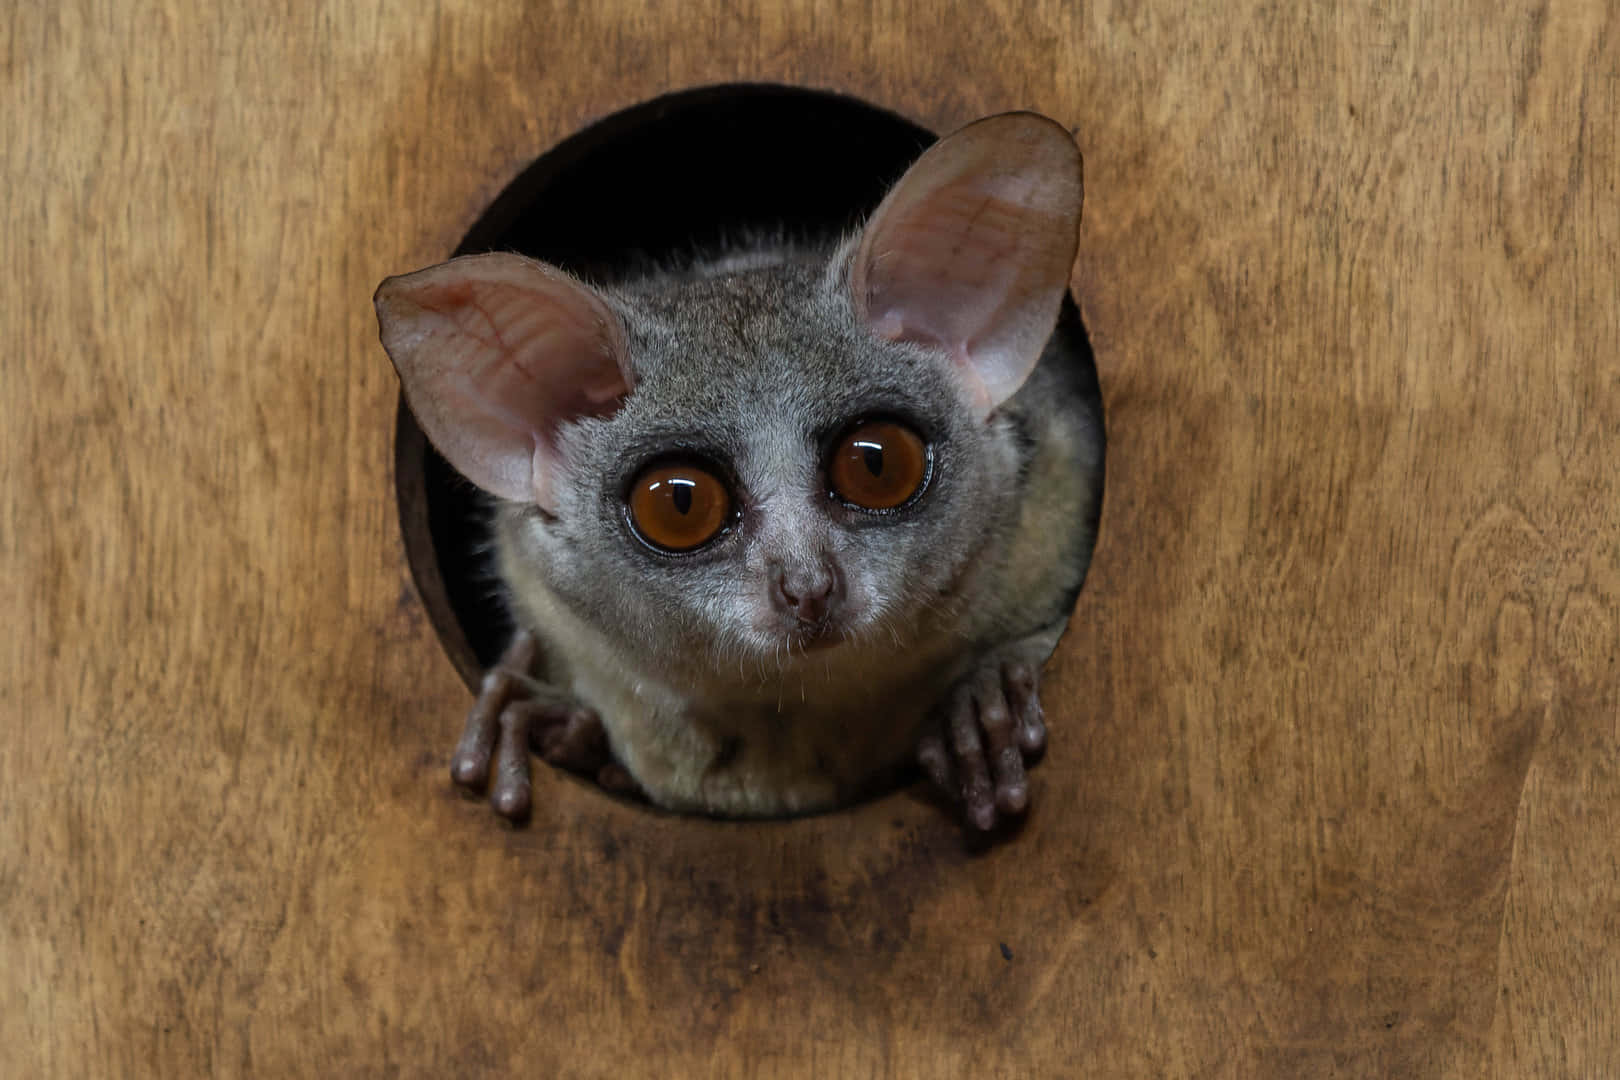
755	362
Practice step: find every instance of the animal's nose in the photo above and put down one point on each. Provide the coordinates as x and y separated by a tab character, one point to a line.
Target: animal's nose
808	594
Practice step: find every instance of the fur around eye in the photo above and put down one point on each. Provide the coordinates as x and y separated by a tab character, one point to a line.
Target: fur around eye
879	465
678	506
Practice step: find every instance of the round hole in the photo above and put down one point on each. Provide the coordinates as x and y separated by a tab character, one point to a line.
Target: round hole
682	172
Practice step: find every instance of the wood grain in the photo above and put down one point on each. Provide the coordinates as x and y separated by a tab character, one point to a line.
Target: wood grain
1335	781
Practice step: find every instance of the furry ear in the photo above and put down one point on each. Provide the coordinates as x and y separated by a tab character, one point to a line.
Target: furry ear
496	353
971	251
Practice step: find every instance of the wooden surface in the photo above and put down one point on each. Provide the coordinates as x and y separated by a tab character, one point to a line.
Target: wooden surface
1335	779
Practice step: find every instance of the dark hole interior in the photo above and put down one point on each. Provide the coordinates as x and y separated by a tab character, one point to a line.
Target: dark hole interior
679	173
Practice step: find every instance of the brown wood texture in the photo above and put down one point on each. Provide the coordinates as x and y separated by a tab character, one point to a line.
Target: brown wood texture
1334	787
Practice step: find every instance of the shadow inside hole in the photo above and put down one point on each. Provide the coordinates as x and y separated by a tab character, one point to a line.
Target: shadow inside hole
678	174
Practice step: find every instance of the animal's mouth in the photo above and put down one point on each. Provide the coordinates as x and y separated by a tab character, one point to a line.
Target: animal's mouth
816	637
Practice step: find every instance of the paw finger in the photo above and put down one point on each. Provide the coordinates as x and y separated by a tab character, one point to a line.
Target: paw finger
552	731
1032	733
967	748
1023	698
578	743
1006	759
1012	782
509	794
935	762
469	765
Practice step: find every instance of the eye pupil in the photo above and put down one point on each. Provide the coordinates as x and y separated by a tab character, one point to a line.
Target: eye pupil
879	465
678	506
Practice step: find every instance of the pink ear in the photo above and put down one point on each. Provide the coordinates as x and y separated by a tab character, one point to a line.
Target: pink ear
971	251
495	353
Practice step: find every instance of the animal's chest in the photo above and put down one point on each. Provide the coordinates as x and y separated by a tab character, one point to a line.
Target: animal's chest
810	742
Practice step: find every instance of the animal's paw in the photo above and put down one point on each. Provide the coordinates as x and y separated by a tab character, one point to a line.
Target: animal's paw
515	713
989	729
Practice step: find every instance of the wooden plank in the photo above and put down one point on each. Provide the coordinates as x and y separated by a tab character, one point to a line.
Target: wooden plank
1335	780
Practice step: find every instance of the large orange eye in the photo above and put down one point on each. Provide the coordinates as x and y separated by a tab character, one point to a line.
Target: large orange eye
677	506
878	465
